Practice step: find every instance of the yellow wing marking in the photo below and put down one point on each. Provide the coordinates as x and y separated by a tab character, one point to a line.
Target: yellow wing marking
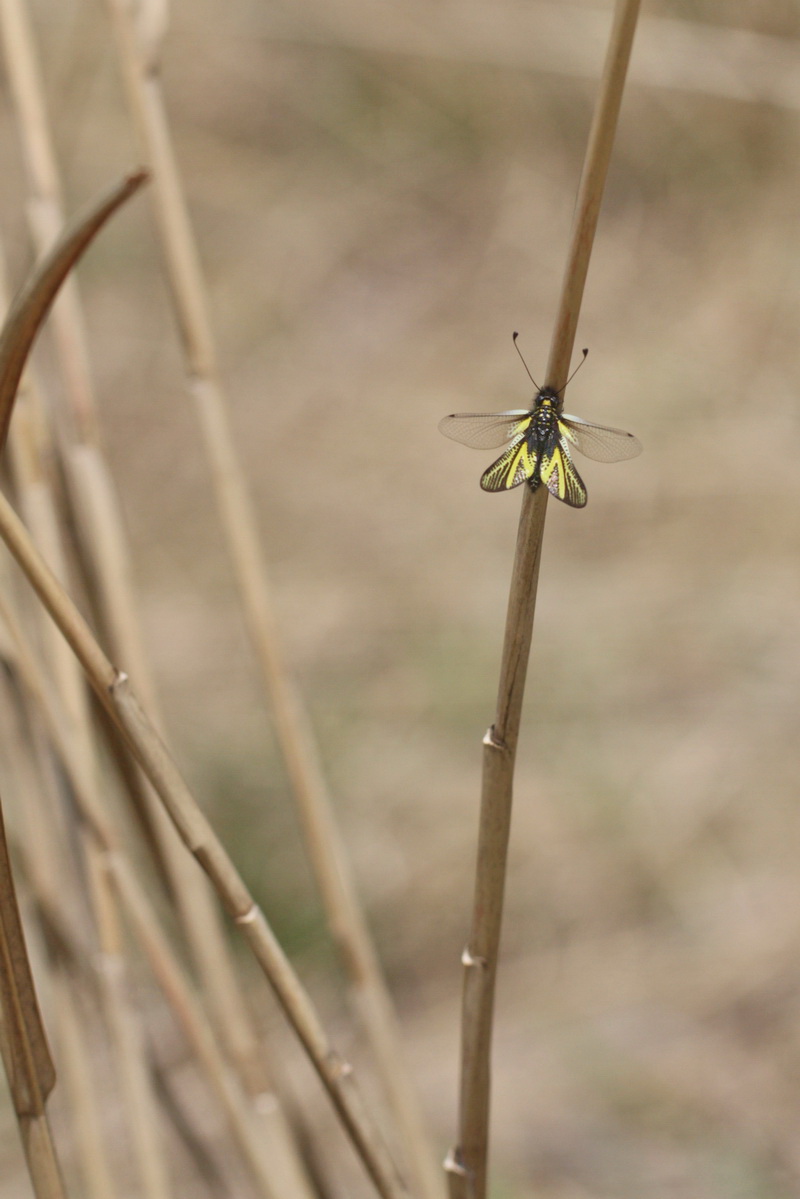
513	467
559	475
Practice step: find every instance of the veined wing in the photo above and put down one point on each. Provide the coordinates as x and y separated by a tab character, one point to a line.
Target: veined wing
484	430
559	475
598	441
513	467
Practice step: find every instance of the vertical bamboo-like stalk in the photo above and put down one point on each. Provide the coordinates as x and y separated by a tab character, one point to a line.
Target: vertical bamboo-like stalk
467	1162
139	29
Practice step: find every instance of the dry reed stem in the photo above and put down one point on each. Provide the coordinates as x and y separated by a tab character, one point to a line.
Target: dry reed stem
142	1117
40	1153
44	873
24	319
45	206
270	1151
32	484
23	1043
262	1147
139	1099
102	535
139	50
99	531
467	1162
82	1095
113	691
33	301
142	738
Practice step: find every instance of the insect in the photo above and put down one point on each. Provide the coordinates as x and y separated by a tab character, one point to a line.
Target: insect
540	439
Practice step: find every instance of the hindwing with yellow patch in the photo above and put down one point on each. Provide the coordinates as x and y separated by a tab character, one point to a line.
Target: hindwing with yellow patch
557	472
513	467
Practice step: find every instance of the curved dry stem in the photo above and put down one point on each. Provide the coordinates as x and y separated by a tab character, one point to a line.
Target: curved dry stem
138	29
113	691
36	296
104	554
262	1147
467	1163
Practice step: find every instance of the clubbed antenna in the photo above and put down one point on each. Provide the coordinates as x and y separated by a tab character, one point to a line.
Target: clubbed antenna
574	373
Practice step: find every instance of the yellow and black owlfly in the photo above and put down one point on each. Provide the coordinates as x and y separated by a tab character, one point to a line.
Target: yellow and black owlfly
540	439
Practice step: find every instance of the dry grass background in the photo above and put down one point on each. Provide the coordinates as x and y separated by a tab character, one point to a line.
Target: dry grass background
379	204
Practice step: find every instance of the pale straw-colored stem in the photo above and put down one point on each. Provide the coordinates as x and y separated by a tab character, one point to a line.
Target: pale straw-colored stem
83	1096
467	1162
139	30
145	1122
49	883
111	687
140	1104
40	1154
141	1119
101	533
44	210
99	530
263	1144
113	691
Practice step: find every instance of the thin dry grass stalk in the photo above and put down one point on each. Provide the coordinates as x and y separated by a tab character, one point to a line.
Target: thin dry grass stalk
467	1162
44	209
45	873
261	1148
140	1107
82	1096
101	535
145	1124
67	682
23	1043
139	30
35	298
114	693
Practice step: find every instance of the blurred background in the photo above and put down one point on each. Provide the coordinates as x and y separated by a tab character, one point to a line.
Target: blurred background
382	194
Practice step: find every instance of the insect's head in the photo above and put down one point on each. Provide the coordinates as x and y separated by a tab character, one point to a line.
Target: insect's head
549	395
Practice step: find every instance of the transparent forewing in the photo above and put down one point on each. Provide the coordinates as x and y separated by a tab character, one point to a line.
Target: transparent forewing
513	467
485	430
559	475
598	441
